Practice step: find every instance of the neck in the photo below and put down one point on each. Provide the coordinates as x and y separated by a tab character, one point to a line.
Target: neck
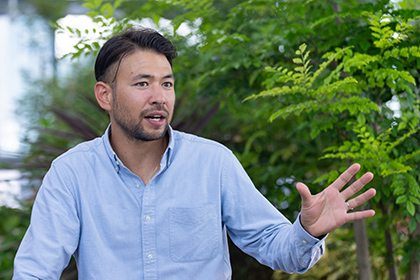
141	157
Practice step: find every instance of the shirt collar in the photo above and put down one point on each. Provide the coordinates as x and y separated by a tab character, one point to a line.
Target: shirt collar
171	145
116	162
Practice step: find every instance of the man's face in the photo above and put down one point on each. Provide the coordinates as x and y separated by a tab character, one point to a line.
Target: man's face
143	97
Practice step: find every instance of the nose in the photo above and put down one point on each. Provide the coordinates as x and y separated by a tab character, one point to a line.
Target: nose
157	95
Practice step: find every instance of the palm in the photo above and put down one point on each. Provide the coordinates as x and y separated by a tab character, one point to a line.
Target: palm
327	210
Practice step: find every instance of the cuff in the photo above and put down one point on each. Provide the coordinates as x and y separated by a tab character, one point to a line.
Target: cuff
304	236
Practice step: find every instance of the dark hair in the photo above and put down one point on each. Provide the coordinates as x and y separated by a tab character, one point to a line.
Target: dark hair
125	43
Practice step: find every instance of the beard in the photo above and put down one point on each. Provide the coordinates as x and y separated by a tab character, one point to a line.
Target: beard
133	128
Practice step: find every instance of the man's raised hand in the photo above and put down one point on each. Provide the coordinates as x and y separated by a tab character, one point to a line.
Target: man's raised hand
329	209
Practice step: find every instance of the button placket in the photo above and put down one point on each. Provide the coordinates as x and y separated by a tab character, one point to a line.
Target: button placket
117	166
149	230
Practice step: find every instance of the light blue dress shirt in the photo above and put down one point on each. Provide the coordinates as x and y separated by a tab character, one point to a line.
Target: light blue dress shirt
176	227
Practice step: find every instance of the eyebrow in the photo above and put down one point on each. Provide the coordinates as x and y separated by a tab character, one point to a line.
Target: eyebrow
148	76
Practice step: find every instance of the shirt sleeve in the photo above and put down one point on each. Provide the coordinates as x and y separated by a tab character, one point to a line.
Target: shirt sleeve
260	230
53	234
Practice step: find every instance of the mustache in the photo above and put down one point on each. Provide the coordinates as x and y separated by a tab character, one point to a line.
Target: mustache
156	107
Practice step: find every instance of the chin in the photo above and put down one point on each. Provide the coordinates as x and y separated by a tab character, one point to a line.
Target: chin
152	136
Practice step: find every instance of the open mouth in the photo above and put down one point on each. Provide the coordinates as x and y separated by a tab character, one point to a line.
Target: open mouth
155	117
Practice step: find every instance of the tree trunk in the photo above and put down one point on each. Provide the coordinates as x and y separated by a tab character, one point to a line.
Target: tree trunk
362	246
415	264
362	250
389	258
336	7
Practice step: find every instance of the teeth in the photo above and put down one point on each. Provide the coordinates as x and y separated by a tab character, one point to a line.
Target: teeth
155	117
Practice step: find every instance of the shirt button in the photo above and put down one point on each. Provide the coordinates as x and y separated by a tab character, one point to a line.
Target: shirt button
116	168
137	185
150	256
148	218
304	241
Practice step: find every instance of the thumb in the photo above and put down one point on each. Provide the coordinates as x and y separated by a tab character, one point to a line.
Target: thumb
304	192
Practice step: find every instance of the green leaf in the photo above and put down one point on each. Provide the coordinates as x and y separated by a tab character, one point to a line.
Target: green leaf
414	199
411	208
297	60
92	4
118	3
300	69
404	52
92	14
402	125
399	191
97	3
302	48
107	10
406	76
89	5
412	225
361	119
401	199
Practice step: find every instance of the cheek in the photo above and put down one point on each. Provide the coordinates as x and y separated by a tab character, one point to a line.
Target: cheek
135	101
130	108
171	98
171	101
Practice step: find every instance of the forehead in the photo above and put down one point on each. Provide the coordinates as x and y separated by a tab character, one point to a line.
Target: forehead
145	62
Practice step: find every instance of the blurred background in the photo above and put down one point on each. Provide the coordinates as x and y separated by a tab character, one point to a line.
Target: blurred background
297	89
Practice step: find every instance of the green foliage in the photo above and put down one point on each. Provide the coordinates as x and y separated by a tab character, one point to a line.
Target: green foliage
85	45
376	153
102	13
50	10
409	4
101	8
338	262
358	57
352	89
312	94
12	228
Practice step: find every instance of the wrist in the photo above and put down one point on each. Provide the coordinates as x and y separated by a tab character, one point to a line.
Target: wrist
322	236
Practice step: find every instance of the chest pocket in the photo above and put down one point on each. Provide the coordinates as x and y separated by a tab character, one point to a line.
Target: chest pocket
194	233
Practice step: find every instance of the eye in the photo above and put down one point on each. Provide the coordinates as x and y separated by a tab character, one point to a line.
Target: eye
167	84
142	84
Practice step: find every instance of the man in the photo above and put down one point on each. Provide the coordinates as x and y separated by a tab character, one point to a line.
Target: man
147	202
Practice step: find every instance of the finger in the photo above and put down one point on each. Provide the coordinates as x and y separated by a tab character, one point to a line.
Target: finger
360	199
304	192
359	215
358	185
343	179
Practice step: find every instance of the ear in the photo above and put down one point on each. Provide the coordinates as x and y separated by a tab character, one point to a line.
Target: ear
103	94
